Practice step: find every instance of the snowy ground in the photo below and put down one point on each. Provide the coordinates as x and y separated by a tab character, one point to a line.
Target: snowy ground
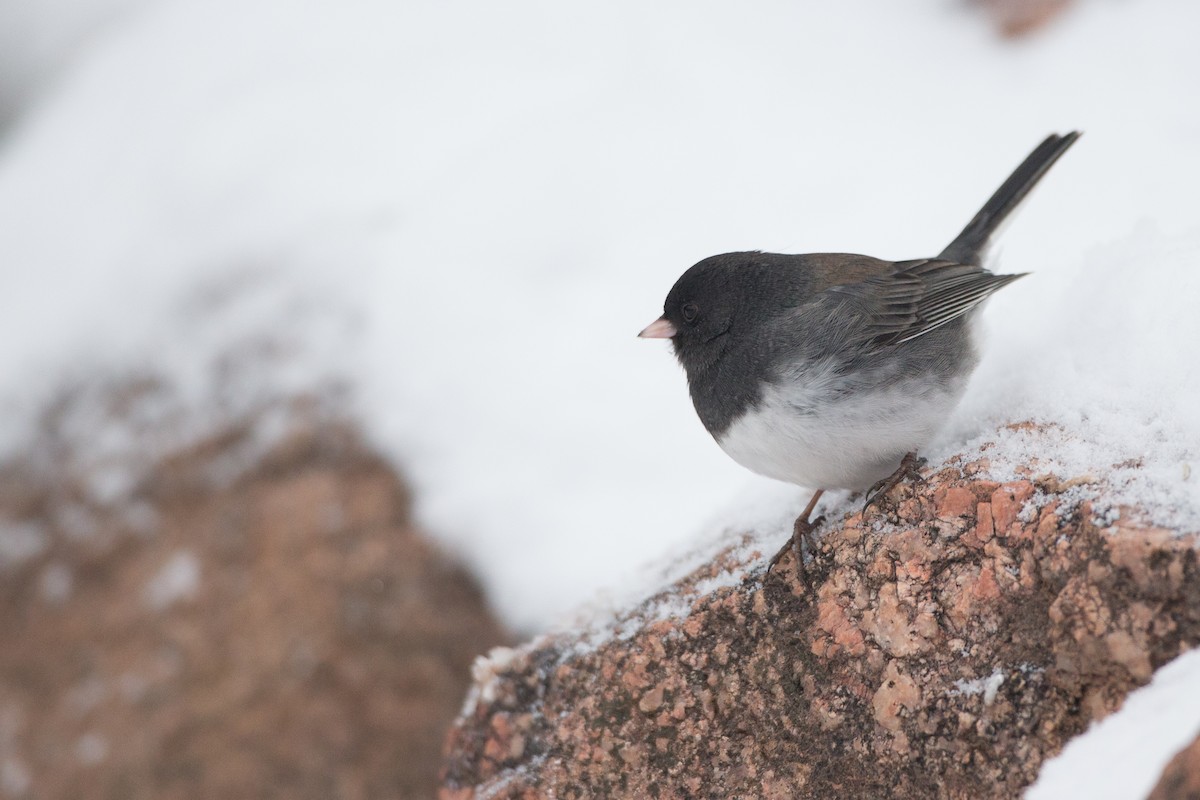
468	210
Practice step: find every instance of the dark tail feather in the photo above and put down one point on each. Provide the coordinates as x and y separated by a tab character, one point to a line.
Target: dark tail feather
971	245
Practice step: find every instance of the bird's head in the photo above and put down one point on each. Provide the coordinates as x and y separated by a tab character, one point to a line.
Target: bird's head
720	295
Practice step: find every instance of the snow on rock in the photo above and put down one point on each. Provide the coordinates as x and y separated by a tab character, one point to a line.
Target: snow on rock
943	646
988	687
56	583
1093	413
20	541
485	671
177	579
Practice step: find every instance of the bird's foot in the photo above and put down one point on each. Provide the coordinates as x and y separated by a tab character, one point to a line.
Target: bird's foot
910	468
802	530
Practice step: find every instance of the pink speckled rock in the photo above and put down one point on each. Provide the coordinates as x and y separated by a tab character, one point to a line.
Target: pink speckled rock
947	645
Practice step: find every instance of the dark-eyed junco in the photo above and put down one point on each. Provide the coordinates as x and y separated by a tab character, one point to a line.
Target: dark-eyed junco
828	370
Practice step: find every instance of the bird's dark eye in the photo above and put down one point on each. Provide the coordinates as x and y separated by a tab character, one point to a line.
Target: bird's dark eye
690	310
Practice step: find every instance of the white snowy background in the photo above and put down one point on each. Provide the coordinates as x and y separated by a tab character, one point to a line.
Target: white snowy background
466	210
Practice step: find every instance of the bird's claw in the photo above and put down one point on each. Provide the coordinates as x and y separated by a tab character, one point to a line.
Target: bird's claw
802	531
910	469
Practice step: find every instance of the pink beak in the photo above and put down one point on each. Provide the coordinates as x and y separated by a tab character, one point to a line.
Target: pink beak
661	328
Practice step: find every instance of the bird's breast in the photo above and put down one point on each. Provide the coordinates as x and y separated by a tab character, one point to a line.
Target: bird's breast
823	432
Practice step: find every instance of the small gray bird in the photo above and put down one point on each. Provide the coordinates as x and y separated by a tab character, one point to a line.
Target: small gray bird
829	370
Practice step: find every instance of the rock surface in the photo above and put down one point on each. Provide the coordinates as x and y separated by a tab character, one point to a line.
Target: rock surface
950	642
243	622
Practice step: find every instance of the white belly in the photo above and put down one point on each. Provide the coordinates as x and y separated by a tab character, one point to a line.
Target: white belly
803	433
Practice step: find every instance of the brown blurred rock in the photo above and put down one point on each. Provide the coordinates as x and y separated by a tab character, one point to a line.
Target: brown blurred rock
950	643
243	623
1018	17
1181	777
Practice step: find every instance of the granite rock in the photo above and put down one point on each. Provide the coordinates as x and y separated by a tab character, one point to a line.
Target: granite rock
948	642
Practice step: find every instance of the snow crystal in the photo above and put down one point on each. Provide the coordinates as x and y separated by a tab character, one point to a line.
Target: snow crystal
486	671
988	686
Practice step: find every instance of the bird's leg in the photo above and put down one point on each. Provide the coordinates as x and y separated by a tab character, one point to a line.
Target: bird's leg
910	468
801	531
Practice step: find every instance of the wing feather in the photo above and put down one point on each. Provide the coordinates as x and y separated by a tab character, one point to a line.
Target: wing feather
917	297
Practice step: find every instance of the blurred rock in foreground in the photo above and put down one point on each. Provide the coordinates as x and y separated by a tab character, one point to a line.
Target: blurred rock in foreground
250	617
1018	17
1181	778
952	641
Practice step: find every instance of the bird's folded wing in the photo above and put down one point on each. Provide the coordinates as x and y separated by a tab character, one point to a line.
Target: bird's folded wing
917	297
